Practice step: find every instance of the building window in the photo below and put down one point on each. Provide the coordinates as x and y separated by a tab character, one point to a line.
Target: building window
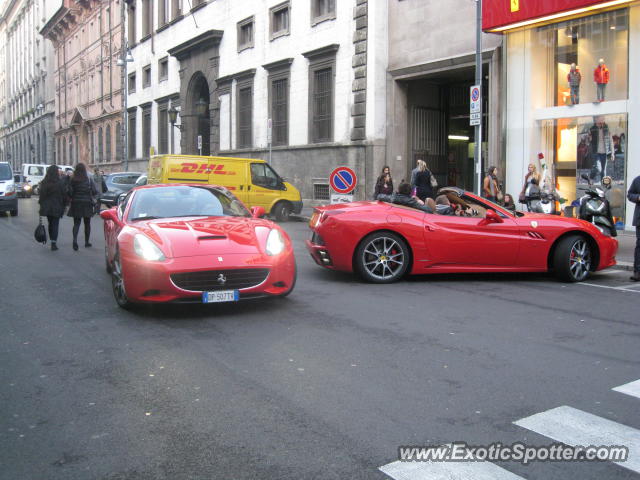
147	20
132	82
322	105
146	76
163	69
245	114
131	134
567	59
100	146
176	9
245	34
92	146
107	144
322	10
146	131
279	17
280	111
163	125
70	150
118	134
163	12
131	22
322	66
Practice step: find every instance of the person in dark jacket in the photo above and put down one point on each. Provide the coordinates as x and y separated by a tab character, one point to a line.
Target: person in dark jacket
384	184
634	197
82	191
403	197
51	200
423	181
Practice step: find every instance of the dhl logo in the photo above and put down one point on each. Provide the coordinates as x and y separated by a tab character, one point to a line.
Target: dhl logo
202	168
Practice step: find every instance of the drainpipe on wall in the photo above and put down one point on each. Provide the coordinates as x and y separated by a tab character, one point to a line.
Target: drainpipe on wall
110	56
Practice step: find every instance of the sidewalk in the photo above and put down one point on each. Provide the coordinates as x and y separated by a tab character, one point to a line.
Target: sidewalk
626	241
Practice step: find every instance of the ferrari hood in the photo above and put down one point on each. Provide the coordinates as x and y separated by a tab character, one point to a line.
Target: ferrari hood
190	237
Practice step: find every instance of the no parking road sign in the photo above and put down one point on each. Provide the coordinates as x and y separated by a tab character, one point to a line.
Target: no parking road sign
343	180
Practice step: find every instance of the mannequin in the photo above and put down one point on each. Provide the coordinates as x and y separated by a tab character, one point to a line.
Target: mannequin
601	77
574	77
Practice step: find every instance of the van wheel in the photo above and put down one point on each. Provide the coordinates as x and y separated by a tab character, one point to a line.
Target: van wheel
281	211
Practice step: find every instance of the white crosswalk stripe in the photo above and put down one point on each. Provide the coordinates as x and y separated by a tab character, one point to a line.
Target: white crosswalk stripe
447	471
632	389
575	427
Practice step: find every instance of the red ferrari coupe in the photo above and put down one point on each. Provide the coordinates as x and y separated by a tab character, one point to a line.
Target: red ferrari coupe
194	243
383	241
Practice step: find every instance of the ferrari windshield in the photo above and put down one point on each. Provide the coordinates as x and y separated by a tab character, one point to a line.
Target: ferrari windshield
185	201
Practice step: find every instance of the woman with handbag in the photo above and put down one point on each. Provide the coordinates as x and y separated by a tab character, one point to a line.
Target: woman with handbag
82	191
51	200
529	178
490	189
424	182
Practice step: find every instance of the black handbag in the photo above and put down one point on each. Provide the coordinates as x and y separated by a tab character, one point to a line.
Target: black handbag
41	233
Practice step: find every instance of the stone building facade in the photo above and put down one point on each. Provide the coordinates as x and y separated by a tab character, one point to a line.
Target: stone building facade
87	39
27	85
431	69
309	76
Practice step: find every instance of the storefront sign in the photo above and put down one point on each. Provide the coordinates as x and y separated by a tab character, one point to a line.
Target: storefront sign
498	14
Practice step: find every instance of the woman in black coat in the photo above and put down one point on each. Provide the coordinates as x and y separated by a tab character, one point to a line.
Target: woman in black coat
82	191
51	200
423	181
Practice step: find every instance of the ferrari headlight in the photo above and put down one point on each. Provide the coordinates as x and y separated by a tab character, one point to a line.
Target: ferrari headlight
146	249
275	244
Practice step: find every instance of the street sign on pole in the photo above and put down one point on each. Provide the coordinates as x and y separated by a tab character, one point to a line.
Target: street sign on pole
343	180
475	106
200	144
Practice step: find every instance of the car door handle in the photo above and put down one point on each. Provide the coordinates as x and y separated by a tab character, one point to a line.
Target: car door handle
430	227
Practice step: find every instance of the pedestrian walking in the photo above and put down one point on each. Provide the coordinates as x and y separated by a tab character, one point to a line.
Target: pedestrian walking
634	197
490	188
424	182
51	200
529	178
384	183
82	191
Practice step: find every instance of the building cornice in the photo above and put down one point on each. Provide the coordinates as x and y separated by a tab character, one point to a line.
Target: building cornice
208	39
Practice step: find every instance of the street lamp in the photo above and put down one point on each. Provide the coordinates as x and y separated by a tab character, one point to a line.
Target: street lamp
173	116
122	63
201	107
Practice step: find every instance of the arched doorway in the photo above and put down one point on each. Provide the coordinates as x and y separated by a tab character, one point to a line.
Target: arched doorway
198	115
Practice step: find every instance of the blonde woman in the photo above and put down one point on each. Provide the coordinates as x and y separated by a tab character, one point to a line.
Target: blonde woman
423	184
532	174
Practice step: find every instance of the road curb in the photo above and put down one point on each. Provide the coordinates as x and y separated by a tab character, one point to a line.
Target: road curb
628	266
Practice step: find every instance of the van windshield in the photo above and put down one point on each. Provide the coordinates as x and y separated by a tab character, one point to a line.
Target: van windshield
5	172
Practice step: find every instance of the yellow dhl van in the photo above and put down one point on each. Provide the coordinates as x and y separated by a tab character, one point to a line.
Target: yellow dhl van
253	181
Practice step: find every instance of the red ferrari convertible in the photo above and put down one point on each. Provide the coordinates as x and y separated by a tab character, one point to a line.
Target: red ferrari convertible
193	243
383	241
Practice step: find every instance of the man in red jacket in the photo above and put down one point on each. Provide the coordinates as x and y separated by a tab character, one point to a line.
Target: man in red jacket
601	77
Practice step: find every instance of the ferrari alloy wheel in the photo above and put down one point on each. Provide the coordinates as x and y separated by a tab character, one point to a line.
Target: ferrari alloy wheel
117	283
382	257
573	259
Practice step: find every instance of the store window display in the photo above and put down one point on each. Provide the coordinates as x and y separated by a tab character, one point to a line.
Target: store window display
559	50
593	146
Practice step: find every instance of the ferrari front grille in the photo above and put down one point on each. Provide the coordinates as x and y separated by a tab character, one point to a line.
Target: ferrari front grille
212	280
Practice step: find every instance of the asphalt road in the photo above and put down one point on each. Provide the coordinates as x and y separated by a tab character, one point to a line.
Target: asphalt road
325	384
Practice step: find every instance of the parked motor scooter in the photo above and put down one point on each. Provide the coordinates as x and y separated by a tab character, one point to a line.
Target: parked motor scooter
595	208
540	201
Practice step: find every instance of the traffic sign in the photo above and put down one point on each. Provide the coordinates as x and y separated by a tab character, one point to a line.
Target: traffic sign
475	100
343	180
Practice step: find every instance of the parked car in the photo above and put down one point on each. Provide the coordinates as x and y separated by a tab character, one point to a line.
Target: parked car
118	183
382	241
23	186
8	197
194	243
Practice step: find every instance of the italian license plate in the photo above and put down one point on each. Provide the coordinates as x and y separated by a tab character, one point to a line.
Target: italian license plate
221	296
